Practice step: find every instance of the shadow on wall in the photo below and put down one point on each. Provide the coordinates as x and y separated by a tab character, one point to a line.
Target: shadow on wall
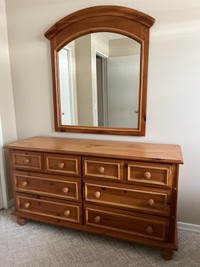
3	188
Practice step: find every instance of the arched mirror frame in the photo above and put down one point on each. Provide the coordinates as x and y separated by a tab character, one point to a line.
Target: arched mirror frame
116	19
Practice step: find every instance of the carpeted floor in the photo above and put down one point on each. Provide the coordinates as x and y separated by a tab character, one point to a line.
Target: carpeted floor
38	244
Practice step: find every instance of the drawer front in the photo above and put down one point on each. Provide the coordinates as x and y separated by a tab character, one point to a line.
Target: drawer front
149	174
151	228
103	168
68	165
67	189
49	208
138	198
27	160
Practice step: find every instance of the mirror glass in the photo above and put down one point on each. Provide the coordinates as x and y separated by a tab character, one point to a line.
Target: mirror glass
100	81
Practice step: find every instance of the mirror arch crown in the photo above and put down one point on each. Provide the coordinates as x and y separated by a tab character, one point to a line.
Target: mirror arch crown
116	19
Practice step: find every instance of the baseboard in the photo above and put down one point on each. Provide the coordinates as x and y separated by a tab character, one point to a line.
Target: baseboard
189	227
10	203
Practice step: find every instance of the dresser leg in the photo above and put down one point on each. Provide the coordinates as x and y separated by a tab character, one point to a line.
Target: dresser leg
167	254
21	221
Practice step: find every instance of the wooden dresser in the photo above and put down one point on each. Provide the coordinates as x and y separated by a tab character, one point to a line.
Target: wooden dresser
120	189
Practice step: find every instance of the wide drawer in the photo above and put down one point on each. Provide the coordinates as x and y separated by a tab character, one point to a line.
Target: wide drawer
62	164
131	197
149	174
61	210
48	185
103	168
27	160
150	227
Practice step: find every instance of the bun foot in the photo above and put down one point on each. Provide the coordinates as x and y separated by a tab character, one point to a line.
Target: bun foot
21	221
167	254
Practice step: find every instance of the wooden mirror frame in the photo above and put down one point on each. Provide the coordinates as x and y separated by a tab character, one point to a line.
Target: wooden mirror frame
116	19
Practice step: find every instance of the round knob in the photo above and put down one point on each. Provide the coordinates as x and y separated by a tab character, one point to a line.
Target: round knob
67	213
101	169
26	161
97	194
61	165
149	230
151	202
26	205
147	175
65	190
97	219
24	183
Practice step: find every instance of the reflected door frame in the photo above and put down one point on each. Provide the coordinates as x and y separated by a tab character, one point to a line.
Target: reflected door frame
102	89
70	100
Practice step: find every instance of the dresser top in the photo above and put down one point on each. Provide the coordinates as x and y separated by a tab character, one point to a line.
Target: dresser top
100	148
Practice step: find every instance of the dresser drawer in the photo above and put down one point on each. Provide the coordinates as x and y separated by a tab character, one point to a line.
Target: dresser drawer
69	188
149	173
150	227
49	207
27	160
62	164
137	198
103	168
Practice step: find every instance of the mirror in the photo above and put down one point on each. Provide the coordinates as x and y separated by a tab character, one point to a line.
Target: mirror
99	70
99	76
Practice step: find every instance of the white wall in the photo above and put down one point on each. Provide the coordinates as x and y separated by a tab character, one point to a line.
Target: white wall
7	115
173	84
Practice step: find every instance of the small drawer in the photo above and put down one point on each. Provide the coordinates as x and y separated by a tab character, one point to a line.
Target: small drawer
27	160
129	197
128	223
149	174
68	165
69	188
103	168
67	211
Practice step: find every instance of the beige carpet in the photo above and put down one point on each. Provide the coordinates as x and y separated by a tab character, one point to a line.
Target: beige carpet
38	244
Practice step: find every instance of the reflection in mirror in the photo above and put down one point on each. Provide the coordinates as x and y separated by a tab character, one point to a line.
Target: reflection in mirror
100	81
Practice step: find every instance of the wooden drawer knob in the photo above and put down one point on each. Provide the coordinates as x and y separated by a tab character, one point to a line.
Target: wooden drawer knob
26	205
101	169
151	202
97	194
61	165
97	219
65	190
24	183
67	213
147	175
149	230
26	161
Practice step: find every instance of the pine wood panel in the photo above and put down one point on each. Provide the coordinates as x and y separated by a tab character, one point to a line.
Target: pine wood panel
126	222
152	174
103	168
99	231
161	153
48	207
67	165
27	160
53	186
147	200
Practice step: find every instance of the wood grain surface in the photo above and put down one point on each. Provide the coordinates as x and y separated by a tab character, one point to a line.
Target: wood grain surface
162	153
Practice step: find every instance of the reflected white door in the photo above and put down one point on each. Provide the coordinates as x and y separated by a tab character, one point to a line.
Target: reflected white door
66	87
123	91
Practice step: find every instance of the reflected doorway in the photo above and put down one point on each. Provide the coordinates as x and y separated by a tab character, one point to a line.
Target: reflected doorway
102	90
